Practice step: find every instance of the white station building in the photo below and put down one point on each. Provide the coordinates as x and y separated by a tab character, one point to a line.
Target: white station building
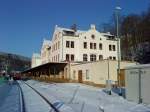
77	46
88	52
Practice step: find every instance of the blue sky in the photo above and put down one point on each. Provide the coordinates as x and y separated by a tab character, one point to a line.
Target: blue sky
25	23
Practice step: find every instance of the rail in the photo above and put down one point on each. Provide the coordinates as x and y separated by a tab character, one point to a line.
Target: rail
22	101
44	98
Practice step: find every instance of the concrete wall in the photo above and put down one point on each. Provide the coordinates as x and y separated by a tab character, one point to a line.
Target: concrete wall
96	72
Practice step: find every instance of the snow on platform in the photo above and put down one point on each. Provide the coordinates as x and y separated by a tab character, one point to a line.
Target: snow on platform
84	98
33	102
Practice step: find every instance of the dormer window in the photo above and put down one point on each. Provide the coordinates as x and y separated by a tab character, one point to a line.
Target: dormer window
93	36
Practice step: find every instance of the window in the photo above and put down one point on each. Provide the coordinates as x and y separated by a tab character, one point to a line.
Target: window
58	57
100	39
72	57
54	58
114	58
55	36
92	57
67	44
85	37
87	74
110	48
94	45
100	57
93	36
85	57
67	57
72	44
52	48
85	45
91	45
110	57
114	48
100	46
58	44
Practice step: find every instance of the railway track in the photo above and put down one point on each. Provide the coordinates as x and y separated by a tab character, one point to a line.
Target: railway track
22	101
43	97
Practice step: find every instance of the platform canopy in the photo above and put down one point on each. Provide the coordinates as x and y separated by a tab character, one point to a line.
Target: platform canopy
51	66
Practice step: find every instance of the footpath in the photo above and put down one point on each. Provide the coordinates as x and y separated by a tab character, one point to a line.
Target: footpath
9	97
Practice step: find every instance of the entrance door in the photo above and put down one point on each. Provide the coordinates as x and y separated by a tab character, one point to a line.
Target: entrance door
62	74
80	76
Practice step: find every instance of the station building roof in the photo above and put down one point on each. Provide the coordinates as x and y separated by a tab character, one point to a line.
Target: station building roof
51	65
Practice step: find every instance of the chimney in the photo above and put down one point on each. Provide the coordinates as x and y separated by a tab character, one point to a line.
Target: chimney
93	27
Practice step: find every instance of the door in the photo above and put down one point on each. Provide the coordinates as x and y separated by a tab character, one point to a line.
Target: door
80	76
122	78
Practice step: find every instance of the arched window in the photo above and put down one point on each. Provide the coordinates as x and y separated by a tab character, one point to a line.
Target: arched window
93	36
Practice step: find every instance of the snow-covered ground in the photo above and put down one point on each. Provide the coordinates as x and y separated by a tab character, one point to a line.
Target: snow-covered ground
33	102
9	98
84	98
67	97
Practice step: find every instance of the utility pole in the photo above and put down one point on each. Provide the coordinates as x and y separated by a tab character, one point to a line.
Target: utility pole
117	9
108	67
108	81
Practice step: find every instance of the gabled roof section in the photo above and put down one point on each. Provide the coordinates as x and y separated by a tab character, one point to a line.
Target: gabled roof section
46	43
71	32
107	34
68	30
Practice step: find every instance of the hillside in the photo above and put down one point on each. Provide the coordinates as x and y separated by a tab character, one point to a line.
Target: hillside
13	62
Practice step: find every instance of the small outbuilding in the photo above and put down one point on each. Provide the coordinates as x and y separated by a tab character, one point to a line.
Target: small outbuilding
137	83
96	73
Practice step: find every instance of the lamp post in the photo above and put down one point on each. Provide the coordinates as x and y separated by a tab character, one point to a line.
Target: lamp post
117	9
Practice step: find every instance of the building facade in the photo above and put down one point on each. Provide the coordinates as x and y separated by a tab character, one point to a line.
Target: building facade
77	46
95	72
45	50
36	60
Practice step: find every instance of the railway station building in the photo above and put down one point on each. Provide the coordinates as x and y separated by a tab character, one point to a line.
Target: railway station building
86	55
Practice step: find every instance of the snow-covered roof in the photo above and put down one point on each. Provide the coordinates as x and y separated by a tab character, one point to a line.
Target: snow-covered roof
78	32
46	42
64	29
61	29
138	66
106	34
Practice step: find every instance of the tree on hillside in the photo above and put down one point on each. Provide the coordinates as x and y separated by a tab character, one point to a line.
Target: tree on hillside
135	40
134	34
